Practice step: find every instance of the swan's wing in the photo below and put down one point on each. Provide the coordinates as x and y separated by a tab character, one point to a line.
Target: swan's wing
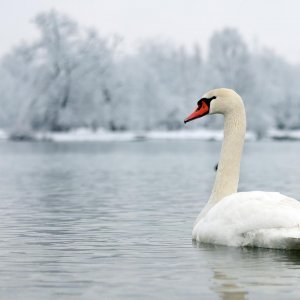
232	219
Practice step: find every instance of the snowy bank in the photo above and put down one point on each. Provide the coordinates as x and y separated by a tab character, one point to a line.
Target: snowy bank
276	134
3	135
101	135
87	135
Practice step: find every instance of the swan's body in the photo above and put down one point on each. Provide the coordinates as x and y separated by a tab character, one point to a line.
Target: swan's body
259	219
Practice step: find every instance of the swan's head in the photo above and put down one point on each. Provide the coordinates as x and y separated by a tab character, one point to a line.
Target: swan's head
218	101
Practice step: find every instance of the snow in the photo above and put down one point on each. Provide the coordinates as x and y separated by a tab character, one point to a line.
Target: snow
276	134
87	135
102	135
3	135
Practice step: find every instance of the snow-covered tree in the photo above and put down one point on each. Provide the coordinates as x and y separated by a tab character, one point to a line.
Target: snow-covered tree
67	75
229	61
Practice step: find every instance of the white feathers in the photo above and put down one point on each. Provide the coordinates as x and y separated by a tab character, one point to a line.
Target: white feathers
260	219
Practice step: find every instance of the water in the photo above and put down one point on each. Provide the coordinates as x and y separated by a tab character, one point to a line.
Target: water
114	220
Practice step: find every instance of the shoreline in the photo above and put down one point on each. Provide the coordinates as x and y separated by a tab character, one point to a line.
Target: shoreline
100	135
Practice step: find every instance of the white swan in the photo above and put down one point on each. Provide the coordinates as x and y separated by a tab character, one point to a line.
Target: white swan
258	219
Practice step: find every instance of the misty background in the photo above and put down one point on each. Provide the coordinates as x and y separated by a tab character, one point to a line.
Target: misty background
70	76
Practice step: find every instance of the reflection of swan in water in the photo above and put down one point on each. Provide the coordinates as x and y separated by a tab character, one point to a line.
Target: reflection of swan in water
227	288
259	219
239	272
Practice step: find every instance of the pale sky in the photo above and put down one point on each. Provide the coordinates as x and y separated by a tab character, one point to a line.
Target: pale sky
271	23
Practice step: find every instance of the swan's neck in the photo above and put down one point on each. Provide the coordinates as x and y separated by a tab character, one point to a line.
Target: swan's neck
227	177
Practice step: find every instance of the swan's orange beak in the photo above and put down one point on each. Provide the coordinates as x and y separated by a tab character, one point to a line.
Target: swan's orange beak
198	113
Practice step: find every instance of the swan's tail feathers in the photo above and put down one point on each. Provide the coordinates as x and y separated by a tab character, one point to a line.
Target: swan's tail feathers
275	238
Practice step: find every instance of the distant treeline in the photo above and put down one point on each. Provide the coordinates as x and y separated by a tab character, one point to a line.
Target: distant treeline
72	77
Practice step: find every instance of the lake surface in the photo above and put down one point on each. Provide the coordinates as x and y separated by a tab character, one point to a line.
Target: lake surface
114	220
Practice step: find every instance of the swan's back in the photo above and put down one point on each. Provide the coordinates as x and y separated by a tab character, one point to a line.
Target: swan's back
258	219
